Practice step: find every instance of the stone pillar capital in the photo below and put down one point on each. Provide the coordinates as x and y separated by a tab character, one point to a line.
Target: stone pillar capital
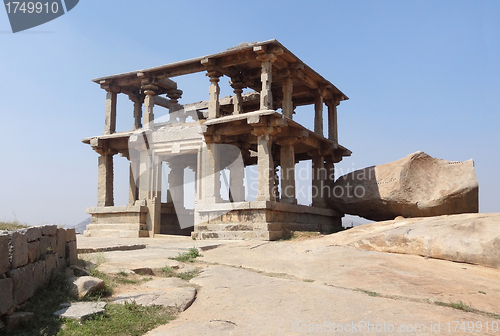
105	151
149	89
136	98
214	75
174	94
264	131
332	102
236	84
110	87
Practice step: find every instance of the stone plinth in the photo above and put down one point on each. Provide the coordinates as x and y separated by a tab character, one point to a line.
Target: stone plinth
118	222
261	220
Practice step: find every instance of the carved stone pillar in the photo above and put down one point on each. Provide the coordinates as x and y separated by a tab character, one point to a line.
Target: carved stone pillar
156	174
237	98
332	120
105	180
176	184
110	110
145	167
236	177
265	167
150	91
318	179
287	105
211	174
214	91
318	113
266	77
287	159
138	101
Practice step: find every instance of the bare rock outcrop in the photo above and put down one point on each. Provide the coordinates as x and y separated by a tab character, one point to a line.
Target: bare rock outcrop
417	185
468	238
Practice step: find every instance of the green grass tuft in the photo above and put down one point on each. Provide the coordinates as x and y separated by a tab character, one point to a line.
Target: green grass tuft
168	271
460	305
120	320
187	275
189	256
370	293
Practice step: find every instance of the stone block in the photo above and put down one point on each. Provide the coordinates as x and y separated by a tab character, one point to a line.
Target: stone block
33	233
4	253
49	230
86	284
39	274
81	311
15	320
71	253
61	242
22	281
44	245
70	235
6	295
50	265
33	251
19	249
48	244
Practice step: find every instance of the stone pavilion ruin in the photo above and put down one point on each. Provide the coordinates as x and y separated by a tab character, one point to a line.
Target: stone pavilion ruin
242	130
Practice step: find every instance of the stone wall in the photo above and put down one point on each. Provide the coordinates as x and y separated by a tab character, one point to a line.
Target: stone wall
28	258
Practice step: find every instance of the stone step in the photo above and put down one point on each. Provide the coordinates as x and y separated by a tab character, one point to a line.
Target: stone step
238	235
116	233
109	226
232	227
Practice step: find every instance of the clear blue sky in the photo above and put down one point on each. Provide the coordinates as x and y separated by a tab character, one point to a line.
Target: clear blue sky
420	75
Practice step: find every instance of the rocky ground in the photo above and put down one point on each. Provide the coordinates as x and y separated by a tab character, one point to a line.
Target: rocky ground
313	286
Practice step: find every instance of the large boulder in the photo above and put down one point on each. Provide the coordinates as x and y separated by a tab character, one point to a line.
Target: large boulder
415	186
86	284
468	238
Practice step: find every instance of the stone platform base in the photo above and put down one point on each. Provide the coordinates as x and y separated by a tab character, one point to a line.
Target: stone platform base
117	222
261	220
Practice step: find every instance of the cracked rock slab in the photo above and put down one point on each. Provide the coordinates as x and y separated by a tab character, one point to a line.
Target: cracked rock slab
176	298
166	283
81	311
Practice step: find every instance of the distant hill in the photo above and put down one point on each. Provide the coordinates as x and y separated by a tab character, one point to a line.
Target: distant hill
80	227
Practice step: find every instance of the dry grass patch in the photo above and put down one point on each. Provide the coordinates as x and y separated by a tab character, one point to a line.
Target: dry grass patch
13	225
